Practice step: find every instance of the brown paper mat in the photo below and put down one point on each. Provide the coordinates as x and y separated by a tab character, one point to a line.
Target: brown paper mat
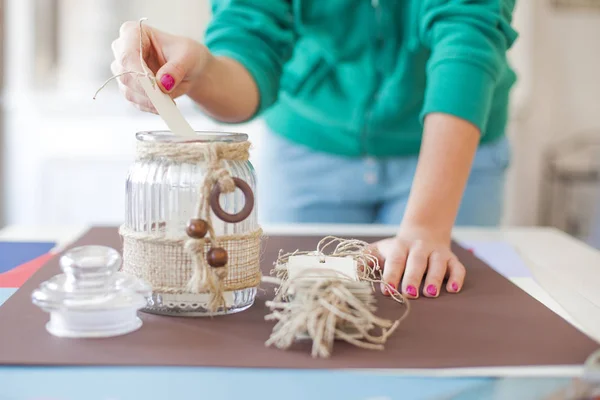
491	323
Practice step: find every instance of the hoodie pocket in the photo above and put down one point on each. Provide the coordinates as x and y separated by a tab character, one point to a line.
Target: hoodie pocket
306	70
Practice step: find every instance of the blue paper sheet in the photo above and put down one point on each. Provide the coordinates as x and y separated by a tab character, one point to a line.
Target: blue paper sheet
13	254
5	293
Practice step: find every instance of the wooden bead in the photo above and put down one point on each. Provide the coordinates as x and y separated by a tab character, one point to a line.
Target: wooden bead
217	257
197	228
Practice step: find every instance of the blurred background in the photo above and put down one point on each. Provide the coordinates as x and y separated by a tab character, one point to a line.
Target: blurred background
63	156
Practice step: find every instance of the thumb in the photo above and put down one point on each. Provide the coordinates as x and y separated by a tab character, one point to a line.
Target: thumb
171	74
183	59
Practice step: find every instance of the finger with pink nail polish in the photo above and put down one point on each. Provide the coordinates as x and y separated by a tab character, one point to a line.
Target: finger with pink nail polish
456	275
436	271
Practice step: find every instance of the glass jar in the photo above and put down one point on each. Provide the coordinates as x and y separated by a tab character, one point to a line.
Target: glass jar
163	192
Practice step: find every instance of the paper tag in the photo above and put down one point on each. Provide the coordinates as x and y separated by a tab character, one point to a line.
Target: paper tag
166	107
343	265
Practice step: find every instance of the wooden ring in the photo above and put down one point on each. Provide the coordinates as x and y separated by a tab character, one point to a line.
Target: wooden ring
248	202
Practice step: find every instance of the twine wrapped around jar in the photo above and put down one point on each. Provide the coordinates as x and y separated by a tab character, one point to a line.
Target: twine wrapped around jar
201	261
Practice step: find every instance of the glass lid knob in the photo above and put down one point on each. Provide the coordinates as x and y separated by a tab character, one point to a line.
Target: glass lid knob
90	262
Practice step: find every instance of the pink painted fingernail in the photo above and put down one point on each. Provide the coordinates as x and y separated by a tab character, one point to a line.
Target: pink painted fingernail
432	290
386	290
411	290
455	286
167	81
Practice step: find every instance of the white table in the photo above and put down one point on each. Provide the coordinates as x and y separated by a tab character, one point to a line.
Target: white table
566	272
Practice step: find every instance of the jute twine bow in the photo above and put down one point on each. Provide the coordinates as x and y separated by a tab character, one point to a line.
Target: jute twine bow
325	305
205	277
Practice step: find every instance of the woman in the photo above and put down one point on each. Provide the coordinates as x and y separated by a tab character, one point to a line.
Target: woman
378	112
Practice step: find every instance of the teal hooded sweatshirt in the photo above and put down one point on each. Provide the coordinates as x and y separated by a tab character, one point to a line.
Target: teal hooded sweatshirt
357	77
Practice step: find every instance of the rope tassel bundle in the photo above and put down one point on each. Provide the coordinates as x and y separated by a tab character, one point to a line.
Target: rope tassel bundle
210	277
327	308
324	305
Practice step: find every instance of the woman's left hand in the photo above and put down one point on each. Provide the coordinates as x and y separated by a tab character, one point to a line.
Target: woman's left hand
418	254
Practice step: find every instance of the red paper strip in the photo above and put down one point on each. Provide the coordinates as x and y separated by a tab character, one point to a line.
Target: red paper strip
17	276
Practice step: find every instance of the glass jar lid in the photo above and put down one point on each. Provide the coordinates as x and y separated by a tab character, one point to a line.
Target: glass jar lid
91	281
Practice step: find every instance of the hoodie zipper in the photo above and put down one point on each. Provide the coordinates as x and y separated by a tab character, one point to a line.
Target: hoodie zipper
375	93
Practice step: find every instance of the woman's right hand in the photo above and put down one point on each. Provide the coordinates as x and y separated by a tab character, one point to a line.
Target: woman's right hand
176	61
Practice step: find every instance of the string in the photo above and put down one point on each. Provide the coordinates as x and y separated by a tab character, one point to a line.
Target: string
147	73
205	277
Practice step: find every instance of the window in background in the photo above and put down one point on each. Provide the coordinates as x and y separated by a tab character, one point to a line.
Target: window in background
68	42
66	155
577	4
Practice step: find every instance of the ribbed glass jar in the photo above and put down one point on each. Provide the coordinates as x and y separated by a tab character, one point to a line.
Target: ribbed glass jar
162	196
